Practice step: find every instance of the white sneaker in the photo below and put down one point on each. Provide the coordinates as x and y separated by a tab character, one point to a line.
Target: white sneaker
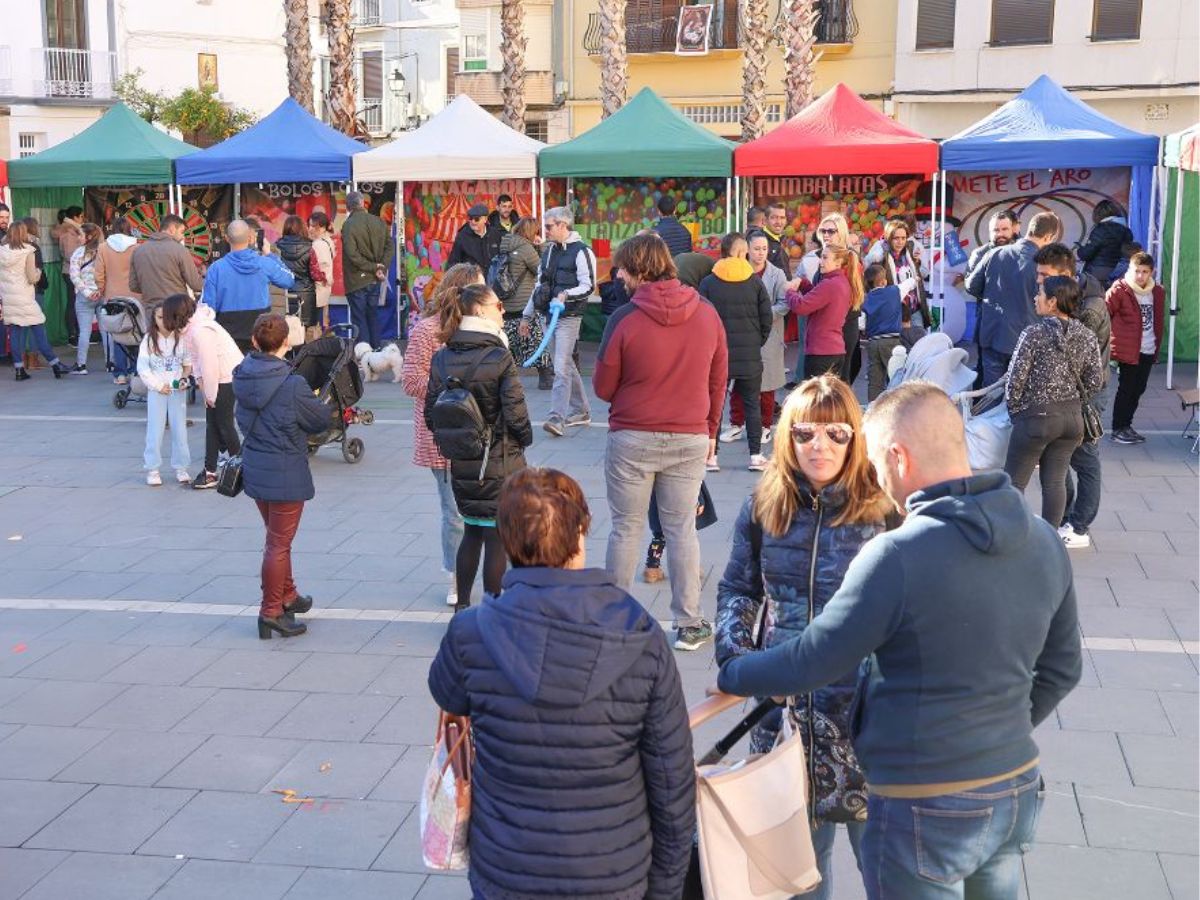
452	594
183	476
758	462
766	437
1073	540
732	433
153	478
711	465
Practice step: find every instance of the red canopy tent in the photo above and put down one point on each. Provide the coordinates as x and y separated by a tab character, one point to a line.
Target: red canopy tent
838	134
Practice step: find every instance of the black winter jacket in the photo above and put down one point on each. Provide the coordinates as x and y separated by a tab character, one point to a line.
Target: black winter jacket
677	238
497	389
744	305
295	253
471	247
1102	249
583	778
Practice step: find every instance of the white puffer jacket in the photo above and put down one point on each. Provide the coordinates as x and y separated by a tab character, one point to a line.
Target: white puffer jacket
18	275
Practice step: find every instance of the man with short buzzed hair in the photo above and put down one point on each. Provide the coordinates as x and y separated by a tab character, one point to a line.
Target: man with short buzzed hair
237	284
367	251
966	618
162	266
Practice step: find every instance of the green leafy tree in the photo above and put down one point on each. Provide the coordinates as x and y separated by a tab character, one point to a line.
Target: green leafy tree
197	113
146	103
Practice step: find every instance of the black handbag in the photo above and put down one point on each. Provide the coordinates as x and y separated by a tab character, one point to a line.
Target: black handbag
1093	425
229	476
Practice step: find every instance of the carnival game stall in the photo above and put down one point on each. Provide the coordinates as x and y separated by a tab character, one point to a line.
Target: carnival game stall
462	156
119	153
1179	270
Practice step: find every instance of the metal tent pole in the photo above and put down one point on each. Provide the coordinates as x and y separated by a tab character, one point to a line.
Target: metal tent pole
542	203
942	257
728	205
1176	230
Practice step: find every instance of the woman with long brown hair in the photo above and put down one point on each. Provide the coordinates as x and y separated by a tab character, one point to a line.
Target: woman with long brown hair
19	277
86	294
424	340
827	305
815	506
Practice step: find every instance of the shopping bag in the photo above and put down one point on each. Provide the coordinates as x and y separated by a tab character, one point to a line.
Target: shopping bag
446	795
755	840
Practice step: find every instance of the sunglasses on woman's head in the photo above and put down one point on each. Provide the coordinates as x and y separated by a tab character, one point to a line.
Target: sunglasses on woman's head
838	432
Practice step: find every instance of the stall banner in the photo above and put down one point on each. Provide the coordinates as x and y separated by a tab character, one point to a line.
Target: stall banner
867	202
206	211
1071	194
615	209
271	204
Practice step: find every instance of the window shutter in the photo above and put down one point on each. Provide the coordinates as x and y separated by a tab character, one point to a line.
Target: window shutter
1022	21
935	24
1115	20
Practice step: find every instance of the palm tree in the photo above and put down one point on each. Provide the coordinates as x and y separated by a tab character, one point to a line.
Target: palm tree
342	98
799	53
754	67
614	65
512	49
299	52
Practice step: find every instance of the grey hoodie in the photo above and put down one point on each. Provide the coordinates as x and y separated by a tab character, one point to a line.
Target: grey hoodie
966	616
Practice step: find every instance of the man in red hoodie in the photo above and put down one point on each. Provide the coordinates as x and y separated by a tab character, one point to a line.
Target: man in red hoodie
662	367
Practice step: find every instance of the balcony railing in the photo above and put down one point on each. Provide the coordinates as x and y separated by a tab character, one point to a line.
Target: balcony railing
656	34
74	73
370	110
365	13
837	24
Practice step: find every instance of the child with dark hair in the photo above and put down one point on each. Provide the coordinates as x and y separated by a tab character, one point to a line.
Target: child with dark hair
1127	252
1137	307
165	366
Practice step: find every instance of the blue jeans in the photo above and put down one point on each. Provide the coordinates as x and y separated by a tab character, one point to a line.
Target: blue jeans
161	409
364	313
822	837
801	330
37	337
995	365
964	846
452	523
1083	502
120	360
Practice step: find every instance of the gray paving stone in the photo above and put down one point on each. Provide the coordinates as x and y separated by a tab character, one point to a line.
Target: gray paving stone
1148	542
161	589
1136	818
202	879
22	624
1060	821
1124	622
248	669
219	825
336	769
59	703
404	676
148	707
172	630
104	876
335	673
1148	671
1085	757
1113	709
31	584
76	661
1186	623
111	819
238	711
239	590
98	627
1162	762
1096	874
136	758
411	721
403	851
333	717
403	781
20	655
443	887
39	752
1155	592
1183	877
232	763
1182	567
342	834
22	869
1144	520
12	688
333	636
26	807
1106	565
385	595
88	586
1092	593
1183	712
164	665
321	884
239	633
407	639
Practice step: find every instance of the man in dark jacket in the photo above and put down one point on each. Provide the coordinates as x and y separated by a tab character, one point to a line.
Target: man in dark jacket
1006	282
504	216
742	302
771	222
966	616
367	252
677	238
237	284
162	266
477	241
1082	506
584	781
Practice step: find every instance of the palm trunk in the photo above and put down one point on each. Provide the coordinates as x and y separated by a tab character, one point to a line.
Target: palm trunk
754	67
614	66
343	81
299	52
512	50
800	56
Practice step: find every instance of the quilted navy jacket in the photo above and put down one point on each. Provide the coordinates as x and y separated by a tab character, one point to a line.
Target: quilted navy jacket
799	572
583	782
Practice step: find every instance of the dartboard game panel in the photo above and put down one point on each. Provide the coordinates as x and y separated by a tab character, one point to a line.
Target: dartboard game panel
205	210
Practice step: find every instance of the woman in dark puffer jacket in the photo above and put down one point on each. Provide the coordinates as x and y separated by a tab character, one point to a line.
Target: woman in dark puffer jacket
815	507
476	353
295	252
583	785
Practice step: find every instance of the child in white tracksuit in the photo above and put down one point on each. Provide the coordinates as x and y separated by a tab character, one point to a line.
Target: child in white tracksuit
164	365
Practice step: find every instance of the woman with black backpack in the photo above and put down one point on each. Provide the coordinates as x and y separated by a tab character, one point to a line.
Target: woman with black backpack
475	408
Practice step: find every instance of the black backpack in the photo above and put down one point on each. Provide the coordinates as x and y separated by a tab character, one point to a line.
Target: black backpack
459	428
500	277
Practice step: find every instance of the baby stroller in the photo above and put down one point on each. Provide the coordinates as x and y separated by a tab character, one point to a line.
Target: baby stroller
934	358
123	319
329	367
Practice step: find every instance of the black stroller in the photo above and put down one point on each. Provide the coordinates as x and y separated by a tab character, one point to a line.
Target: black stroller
329	367
123	319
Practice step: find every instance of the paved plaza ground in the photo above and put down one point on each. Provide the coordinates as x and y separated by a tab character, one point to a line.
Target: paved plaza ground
144	727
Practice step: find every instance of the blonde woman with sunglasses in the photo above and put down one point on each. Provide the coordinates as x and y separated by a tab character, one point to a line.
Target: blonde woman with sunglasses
815	507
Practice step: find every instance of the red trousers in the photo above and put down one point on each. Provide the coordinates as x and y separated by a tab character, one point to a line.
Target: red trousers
278	589
766	403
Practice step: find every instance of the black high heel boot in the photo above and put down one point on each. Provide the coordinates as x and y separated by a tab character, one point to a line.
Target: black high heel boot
285	625
299	606
60	370
22	375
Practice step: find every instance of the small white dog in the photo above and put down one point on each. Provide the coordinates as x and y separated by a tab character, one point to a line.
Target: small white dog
374	363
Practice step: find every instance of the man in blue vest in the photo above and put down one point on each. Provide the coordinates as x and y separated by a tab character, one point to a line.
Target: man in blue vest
567	274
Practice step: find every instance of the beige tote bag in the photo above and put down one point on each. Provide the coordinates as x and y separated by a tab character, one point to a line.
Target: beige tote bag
755	837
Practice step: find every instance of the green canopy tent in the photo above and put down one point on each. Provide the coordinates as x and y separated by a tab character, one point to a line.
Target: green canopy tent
1179	269
119	148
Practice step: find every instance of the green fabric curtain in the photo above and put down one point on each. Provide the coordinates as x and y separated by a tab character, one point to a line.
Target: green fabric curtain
43	204
1187	321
